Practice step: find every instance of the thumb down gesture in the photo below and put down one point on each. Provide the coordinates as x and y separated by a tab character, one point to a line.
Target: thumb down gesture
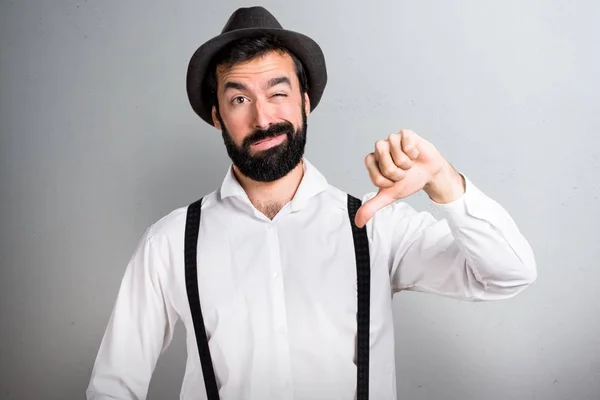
403	164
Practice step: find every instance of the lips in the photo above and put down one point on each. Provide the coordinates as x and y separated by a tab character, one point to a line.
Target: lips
267	139
269	142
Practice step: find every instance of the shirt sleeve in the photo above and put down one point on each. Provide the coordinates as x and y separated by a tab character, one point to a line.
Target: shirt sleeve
474	252
140	328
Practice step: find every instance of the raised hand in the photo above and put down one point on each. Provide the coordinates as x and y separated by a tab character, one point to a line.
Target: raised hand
403	164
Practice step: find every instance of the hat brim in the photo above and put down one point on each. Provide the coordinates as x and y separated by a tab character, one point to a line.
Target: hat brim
303	47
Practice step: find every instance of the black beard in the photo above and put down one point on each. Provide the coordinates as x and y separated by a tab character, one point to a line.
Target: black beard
271	164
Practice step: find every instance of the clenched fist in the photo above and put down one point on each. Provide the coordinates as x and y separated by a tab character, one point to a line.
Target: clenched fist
403	164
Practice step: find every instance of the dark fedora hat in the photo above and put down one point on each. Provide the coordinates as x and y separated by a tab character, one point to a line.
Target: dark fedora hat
246	22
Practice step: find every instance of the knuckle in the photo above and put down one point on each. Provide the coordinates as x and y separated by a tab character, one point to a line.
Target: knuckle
402	159
387	170
380	145
406	166
380	181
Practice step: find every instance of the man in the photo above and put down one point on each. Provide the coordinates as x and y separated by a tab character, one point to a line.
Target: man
276	263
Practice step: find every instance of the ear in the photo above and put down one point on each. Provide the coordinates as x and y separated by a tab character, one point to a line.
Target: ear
216	122
306	104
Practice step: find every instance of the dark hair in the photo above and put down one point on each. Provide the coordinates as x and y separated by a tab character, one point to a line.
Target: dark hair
243	50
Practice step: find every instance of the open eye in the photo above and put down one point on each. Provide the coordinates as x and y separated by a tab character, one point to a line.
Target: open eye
238	100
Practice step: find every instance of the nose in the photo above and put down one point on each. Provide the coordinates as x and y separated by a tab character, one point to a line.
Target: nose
262	115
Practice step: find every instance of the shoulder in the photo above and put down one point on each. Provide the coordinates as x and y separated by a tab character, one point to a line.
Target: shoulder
339	197
171	227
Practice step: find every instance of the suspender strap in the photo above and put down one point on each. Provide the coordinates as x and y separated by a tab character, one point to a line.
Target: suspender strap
192	226
363	276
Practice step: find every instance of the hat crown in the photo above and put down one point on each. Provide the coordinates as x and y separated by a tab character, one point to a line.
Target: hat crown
251	17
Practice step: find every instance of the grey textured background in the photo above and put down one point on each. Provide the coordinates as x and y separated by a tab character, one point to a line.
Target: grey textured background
98	142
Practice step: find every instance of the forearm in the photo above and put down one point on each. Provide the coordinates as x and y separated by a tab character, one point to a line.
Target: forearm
494	249
475	252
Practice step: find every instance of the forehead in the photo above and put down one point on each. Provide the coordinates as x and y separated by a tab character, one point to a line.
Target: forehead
259	69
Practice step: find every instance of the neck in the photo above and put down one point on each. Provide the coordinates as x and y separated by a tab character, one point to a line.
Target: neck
270	197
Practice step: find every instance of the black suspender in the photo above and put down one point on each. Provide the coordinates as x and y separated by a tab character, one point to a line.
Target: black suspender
363	274
192	226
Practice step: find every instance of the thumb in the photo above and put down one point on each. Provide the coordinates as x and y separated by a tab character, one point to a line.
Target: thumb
370	207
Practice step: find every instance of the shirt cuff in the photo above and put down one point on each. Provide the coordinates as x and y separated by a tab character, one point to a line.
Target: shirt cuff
472	203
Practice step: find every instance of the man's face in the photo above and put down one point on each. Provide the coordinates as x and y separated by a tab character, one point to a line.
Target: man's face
262	116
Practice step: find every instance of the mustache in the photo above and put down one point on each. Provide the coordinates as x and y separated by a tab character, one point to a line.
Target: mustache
270	132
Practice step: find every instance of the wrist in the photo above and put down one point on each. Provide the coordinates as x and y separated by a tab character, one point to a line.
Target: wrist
445	186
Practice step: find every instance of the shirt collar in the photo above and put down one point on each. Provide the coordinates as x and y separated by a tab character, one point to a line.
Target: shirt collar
312	183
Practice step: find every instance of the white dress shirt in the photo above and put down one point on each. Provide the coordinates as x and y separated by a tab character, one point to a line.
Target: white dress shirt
279	296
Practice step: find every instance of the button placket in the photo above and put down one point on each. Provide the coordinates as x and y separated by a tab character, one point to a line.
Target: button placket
279	306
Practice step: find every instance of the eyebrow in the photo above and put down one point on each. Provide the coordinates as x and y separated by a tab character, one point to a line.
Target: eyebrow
279	80
234	85
272	82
